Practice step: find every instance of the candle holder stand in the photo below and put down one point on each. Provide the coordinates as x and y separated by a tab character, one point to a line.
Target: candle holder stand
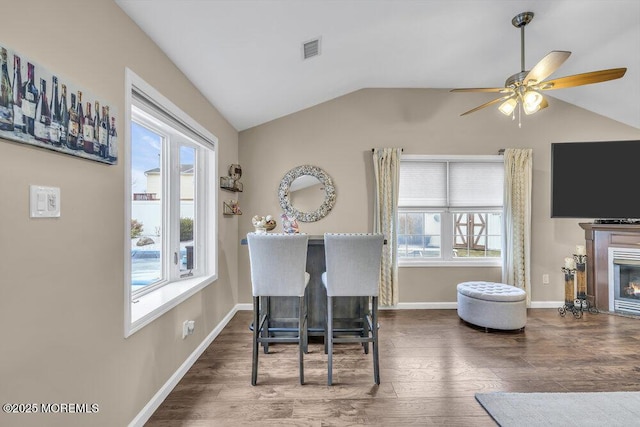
570	304
581	276
580	304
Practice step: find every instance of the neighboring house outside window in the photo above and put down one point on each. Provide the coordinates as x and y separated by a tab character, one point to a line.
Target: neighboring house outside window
450	210
171	243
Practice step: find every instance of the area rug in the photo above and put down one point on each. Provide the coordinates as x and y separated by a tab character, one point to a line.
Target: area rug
562	409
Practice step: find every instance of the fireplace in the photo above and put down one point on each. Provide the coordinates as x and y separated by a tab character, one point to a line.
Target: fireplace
624	280
599	238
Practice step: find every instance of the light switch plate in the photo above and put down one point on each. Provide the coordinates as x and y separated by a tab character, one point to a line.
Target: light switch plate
44	201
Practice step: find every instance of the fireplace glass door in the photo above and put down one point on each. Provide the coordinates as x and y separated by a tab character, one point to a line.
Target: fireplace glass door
626	285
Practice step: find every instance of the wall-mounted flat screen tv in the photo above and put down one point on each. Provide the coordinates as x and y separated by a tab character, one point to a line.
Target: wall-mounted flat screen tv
599	180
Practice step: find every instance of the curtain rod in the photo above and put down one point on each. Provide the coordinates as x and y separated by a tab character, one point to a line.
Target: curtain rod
373	149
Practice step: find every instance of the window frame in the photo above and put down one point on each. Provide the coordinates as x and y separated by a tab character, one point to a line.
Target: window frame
447	223
141	308
172	143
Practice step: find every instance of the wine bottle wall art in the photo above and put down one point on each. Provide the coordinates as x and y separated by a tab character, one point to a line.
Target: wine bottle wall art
43	109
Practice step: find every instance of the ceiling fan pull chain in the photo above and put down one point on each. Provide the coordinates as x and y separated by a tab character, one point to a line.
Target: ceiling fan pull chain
519	115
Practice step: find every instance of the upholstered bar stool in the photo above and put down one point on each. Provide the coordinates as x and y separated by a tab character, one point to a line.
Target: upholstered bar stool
278	264
353	270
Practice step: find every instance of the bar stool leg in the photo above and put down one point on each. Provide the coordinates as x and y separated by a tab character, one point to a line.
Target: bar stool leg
329	340
265	331
365	322
306	321
326	336
256	334
374	334
301	340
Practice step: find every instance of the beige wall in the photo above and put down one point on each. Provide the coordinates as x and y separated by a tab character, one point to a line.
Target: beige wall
338	135
61	280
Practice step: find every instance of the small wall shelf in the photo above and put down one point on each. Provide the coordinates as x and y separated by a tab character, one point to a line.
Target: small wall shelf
232	182
230	207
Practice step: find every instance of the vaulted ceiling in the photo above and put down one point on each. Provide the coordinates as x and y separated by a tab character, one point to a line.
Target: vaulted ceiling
245	56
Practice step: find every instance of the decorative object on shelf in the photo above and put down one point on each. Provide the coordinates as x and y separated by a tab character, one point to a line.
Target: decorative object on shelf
271	223
289	224
263	224
303	178
231	207
38	115
232	182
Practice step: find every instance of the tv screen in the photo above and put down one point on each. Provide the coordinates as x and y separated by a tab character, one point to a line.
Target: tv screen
599	180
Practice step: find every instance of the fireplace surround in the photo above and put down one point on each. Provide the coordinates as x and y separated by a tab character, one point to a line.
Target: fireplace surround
599	238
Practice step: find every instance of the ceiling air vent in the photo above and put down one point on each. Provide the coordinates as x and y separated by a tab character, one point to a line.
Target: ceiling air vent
311	48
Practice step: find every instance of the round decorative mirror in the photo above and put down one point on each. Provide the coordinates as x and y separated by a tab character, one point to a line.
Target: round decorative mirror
307	193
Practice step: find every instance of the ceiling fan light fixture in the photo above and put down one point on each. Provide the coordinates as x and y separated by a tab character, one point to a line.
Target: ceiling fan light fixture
523	88
508	106
531	101
543	104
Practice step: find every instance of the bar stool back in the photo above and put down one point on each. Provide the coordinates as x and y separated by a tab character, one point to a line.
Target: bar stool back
353	269
278	269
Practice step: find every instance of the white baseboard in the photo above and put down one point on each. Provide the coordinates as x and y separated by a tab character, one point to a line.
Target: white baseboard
546	304
434	305
422	306
148	410
454	305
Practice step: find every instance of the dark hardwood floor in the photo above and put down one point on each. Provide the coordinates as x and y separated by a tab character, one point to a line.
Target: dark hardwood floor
431	365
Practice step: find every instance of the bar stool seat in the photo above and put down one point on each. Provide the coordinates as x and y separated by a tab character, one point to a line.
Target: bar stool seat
353	270
278	263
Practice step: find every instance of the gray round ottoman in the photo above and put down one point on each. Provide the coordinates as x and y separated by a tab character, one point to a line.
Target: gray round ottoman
492	305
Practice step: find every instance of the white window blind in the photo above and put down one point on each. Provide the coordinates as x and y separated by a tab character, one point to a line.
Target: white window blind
423	184
164	115
476	184
451	183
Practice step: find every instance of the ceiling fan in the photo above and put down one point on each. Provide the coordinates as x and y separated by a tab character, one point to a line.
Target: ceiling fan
524	88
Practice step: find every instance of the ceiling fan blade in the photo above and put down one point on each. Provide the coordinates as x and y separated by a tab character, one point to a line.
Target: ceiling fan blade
546	66
483	89
583	79
486	104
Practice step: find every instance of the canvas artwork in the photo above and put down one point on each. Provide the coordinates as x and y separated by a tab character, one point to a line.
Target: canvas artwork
42	109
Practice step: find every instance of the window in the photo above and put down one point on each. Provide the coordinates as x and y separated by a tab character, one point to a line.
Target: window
170	216
450	210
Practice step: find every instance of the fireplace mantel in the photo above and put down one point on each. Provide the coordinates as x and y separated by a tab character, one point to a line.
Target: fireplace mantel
599	237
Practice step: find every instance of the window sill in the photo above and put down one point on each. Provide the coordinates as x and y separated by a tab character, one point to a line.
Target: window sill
149	307
442	263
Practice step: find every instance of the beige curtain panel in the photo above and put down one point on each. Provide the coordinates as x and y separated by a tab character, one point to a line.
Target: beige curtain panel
386	166
517	219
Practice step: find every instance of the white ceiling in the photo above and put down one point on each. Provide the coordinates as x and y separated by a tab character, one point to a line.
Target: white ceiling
245	56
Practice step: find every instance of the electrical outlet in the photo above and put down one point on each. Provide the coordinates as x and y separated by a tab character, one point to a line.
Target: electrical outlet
188	326
545	279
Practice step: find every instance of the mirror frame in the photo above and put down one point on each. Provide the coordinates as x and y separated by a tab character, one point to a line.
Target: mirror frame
329	190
